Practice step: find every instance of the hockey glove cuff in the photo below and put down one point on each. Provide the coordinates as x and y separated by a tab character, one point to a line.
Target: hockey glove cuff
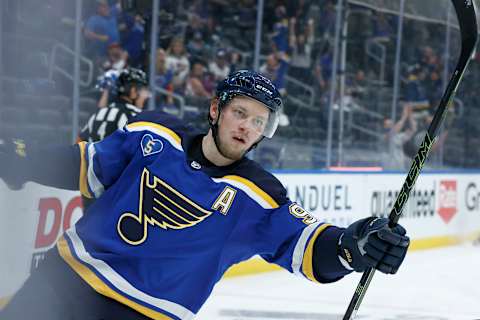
12	155
370	242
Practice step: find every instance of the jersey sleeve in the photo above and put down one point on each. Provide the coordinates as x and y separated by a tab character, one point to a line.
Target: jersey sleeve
103	162
298	242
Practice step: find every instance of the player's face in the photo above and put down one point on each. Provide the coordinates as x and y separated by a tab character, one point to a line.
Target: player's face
242	123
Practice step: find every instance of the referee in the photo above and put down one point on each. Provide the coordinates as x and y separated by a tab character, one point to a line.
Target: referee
132	92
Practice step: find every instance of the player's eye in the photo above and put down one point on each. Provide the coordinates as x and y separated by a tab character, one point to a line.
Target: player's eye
239	113
259	123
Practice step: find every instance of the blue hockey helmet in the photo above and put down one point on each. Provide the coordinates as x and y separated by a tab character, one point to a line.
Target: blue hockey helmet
254	85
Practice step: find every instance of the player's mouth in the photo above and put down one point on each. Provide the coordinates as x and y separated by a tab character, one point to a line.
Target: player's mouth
239	139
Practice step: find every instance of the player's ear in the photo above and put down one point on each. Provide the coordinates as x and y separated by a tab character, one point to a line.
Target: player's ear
214	109
133	92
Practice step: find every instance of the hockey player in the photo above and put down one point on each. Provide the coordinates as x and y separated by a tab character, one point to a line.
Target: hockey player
175	209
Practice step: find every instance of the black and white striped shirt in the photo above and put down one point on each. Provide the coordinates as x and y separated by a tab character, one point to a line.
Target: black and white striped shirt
107	120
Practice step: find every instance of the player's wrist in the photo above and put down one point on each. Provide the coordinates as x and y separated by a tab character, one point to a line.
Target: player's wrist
349	253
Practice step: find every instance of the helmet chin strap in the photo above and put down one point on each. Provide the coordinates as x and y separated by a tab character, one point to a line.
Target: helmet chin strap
214	127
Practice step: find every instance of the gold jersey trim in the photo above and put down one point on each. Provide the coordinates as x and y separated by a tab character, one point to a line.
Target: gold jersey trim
83	181
307	263
252	186
99	286
156	127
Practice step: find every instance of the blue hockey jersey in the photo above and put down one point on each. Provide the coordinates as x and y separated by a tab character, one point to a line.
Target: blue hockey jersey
167	223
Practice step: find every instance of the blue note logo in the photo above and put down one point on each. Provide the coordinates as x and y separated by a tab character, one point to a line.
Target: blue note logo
161	205
150	145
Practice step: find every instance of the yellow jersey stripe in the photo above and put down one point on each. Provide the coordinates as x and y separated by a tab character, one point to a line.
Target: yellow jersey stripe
83	171
188	222
252	186
156	126
307	264
176	204
99	286
190	202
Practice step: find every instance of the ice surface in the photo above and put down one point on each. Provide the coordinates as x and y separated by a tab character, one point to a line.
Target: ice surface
440	284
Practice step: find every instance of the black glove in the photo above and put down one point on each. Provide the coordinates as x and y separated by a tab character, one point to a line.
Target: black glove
12	154
370	242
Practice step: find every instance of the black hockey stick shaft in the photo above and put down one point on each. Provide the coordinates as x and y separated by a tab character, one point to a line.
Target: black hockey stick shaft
468	28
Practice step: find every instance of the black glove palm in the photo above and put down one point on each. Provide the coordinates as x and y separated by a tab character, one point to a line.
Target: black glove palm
370	242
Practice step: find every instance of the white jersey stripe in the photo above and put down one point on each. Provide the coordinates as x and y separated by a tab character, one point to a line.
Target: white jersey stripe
298	252
121	283
93	182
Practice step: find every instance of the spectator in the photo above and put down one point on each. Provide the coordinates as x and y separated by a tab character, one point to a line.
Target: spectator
164	79
197	86
358	87
299	9
325	62
116	62
101	29
133	37
410	147
220	67
383	31
117	58
247	14
275	68
396	136
197	48
195	25
430	59
320	84
280	30
326	25
178	61
301	45
164	74
415	89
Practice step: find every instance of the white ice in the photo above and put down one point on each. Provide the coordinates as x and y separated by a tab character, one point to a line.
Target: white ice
439	284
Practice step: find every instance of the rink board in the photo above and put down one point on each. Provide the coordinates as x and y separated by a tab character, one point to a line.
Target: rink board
443	209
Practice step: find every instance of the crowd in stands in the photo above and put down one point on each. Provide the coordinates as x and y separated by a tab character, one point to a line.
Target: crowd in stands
194	56
202	41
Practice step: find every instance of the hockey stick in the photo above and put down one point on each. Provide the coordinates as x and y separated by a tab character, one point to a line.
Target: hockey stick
468	28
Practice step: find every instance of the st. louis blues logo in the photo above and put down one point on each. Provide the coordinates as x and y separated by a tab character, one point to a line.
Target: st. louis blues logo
159	205
150	145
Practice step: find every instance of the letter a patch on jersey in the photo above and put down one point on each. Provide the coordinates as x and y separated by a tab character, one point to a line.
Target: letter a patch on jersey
150	145
225	200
